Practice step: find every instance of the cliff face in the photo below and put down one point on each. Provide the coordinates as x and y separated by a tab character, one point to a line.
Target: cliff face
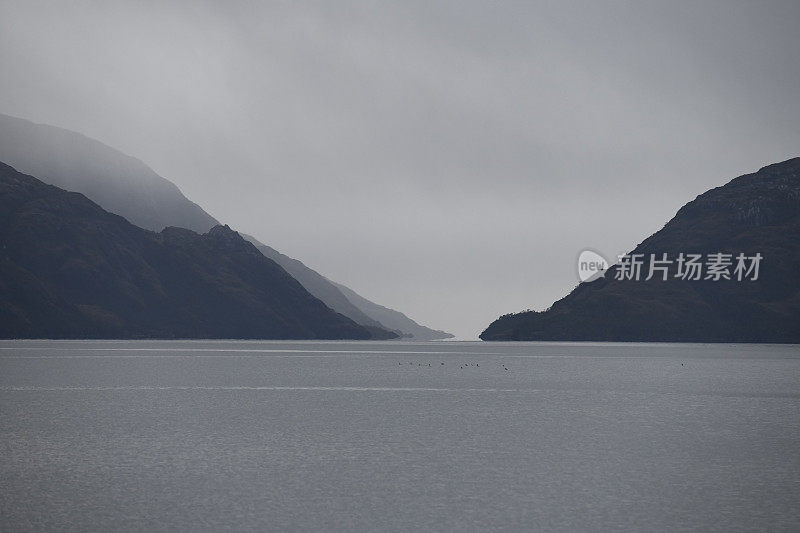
756	213
69	269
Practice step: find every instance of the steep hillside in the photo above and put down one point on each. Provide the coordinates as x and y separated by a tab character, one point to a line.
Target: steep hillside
319	286
124	185
753	214
69	269
394	319
119	183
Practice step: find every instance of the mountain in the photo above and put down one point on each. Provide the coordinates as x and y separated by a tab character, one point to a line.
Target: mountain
392	319
753	214
347	302
120	183
126	186
69	269
322	288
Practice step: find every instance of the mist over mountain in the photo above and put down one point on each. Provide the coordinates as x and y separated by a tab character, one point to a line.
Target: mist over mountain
126	186
120	183
322	288
69	269
756	213
393	319
347	302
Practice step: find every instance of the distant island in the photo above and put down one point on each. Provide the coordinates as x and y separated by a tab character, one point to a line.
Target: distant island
756	213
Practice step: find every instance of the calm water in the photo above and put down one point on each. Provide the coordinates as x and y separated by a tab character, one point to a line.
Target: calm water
209	436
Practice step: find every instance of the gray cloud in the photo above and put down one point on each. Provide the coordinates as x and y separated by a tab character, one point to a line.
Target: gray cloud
447	159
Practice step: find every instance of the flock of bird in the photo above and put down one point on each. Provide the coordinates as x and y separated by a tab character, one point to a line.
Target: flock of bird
462	366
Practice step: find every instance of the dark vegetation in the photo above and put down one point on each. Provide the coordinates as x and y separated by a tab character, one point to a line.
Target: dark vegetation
754	213
69	269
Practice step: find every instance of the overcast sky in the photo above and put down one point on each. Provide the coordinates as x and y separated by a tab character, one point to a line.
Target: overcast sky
446	159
